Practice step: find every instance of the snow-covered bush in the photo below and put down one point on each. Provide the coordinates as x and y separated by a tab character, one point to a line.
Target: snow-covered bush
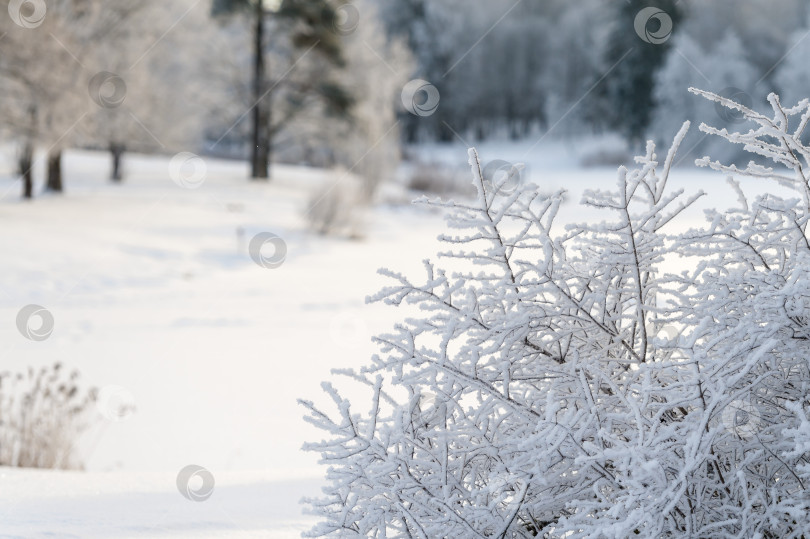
337	207
561	384
438	178
42	414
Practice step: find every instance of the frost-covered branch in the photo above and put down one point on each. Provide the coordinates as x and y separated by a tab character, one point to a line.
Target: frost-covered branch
559	383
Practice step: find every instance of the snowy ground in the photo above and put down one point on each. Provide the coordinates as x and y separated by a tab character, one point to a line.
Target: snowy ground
36	504
154	295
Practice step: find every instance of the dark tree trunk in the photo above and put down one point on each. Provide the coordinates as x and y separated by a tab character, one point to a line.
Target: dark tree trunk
480	132
117	151
260	152
514	129
54	182
27	156
411	132
444	132
26	162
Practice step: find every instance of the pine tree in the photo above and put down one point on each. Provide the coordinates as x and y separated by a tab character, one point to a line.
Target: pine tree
312	25
630	65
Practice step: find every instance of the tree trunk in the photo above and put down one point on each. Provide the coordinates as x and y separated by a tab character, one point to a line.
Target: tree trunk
260	152
27	156
116	150
26	162
54	182
514	129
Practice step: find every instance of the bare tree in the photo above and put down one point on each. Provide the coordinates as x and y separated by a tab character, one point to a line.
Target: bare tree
95	73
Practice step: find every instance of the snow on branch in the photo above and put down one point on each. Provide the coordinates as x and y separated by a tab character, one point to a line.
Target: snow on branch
772	138
558	383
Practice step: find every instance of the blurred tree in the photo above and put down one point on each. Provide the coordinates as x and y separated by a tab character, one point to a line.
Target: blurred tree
725	69
148	88
486	56
636	49
376	70
310	25
38	81
49	76
792	76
